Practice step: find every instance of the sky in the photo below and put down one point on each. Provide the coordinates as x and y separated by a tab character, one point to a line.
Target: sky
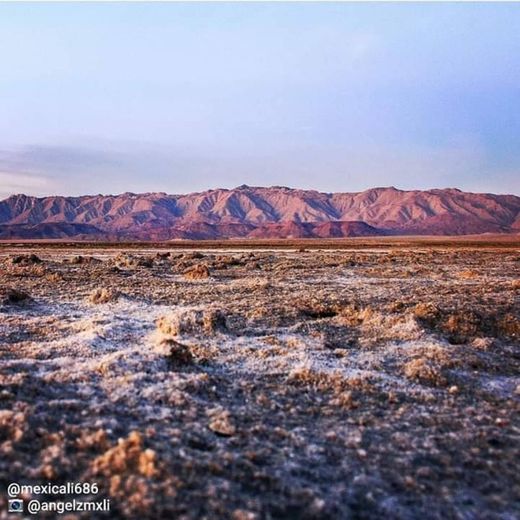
181	97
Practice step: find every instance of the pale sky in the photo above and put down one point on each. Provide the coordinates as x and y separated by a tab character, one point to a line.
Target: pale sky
108	98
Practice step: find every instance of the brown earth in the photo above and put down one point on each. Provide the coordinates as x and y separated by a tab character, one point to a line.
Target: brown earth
375	381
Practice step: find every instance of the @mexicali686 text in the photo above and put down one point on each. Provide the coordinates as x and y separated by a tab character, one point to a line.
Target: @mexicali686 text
34	499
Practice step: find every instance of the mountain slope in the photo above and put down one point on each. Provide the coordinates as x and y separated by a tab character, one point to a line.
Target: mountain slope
259	212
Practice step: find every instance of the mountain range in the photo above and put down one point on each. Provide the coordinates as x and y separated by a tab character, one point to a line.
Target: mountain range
258	212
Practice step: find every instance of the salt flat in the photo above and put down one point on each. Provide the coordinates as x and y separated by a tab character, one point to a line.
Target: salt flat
238	383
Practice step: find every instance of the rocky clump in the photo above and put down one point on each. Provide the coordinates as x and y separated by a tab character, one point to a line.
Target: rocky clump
192	322
82	260
220	422
128	261
177	353
425	371
103	295
23	260
128	455
132	473
197	272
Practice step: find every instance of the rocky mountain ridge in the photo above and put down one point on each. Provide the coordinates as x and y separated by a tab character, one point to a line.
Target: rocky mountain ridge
258	212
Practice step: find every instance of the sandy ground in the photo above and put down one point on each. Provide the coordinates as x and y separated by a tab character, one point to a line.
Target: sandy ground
265	384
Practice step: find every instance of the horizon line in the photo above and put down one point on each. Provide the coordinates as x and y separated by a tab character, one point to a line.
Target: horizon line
246	186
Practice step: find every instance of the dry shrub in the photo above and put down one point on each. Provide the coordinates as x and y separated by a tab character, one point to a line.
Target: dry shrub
360	383
282	266
10	296
424	371
515	284
197	272
270	352
351	261
53	456
192	321
103	295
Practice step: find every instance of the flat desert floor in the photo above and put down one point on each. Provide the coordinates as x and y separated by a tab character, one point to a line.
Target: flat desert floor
263	384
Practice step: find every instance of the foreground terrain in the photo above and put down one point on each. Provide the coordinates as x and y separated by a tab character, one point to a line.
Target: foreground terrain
259	384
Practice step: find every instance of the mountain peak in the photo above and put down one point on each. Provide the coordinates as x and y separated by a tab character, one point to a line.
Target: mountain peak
276	211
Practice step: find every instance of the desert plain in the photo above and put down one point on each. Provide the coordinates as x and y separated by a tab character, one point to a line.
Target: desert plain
312	381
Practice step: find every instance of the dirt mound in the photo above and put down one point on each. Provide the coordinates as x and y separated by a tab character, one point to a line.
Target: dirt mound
197	272
129	261
177	353
31	259
192	322
103	295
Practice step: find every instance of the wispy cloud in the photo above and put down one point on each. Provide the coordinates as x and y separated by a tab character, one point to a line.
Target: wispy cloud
11	182
115	167
57	158
48	169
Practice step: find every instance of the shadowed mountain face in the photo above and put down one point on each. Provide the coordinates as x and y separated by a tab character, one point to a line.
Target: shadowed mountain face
275	212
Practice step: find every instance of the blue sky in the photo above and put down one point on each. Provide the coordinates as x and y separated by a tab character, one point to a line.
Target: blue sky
107	98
